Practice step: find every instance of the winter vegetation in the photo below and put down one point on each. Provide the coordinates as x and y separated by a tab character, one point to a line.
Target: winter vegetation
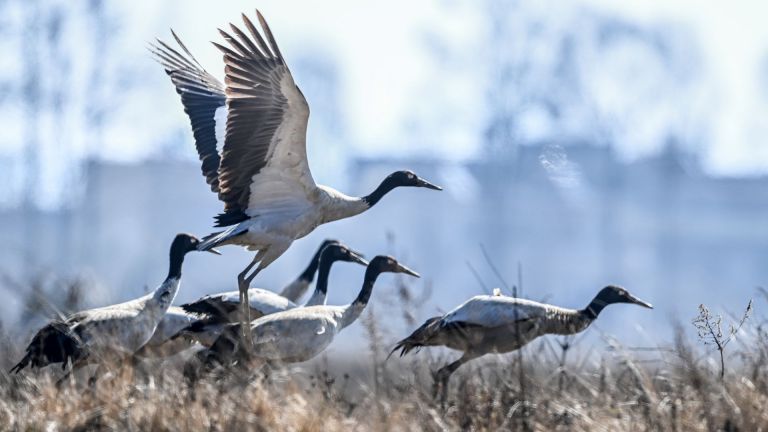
558	383
584	146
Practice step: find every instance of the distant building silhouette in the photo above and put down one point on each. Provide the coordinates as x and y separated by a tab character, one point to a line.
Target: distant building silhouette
574	216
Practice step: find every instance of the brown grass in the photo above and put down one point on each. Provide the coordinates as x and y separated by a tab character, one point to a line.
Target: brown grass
677	389
566	386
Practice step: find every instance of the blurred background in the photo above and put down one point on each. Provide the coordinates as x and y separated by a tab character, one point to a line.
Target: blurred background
579	143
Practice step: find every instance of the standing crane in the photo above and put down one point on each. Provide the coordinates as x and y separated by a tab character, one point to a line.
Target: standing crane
109	333
218	310
297	335
164	341
262	174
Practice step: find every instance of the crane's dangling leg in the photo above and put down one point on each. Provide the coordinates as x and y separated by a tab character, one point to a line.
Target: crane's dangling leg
243	284
266	256
441	377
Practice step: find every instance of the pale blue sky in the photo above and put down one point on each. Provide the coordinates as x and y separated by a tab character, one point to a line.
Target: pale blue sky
397	97
389	82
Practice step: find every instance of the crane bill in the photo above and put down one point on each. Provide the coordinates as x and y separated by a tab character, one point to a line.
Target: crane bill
403	269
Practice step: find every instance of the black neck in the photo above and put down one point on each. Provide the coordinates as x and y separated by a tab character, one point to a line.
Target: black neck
322	279
384	188
365	292
177	259
308	275
594	308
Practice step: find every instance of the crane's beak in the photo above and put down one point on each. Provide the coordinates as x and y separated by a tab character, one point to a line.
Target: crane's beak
358	258
423	183
214	251
403	269
637	301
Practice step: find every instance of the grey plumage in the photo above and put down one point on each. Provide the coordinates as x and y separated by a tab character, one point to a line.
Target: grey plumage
300	334
161	344
220	309
112	332
498	324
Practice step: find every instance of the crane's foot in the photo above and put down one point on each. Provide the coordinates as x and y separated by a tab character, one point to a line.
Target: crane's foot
244	283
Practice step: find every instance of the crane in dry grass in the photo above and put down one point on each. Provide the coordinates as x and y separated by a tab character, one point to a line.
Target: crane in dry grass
206	315
219	310
498	324
300	334
110	333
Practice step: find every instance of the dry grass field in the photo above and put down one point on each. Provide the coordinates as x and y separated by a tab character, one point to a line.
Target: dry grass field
554	383
678	391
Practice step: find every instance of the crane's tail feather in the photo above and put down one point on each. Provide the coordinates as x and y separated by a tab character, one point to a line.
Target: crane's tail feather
195	330
54	343
419	338
220	237
211	308
21	365
230	217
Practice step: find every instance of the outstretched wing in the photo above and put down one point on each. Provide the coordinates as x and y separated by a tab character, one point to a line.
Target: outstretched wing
204	102
264	161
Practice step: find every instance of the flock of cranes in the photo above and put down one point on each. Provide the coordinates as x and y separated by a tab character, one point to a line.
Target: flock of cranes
250	136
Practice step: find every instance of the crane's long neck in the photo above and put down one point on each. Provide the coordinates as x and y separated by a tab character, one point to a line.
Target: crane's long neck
344	206
176	261
162	297
321	289
594	308
566	321
384	188
336	205
570	321
353	311
296	289
308	275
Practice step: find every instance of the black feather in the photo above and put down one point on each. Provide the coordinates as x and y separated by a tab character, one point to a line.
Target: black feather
230	217
418	338
212	307
54	343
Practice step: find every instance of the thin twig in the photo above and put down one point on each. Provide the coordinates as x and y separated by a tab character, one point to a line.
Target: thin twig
477	276
493	267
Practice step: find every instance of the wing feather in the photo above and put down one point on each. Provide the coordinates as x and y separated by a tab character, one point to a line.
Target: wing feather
202	95
266	125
